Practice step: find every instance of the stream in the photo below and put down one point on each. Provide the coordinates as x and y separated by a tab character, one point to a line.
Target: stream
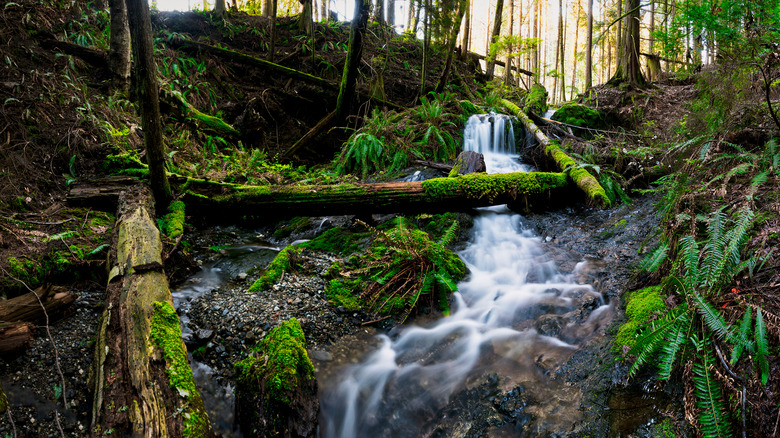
401	388
508	360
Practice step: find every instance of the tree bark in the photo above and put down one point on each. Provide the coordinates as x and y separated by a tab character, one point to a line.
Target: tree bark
306	23
391	13
491	65
272	48
267	8
528	190
28	308
219	7
141	381
452	41
508	67
145	71
466	42
574	53
119	50
349	76
589	49
628	68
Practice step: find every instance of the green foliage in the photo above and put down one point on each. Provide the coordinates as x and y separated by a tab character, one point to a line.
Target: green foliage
713	417
282	263
762	347
339	240
279	363
579	115
641	306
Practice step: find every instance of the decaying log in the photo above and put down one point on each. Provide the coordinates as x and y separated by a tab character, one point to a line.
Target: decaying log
101	193
204	121
322	125
580	176
14	337
94	57
141	381
502	64
238	57
524	190
26	307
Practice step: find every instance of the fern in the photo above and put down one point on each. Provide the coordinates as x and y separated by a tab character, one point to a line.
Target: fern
713	319
449	235
689	250
762	347
713	249
713	418
655	259
747	321
651	339
675	342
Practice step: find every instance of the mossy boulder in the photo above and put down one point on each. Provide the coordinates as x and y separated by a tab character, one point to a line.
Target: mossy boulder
641	306
278	266
582	116
536	100
276	391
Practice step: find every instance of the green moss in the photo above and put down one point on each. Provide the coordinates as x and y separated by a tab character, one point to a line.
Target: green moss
124	161
480	185
640	306
273	272
295	225
281	362
29	271
345	293
339	240
580	115
166	335
536	100
196	425
584	180
173	223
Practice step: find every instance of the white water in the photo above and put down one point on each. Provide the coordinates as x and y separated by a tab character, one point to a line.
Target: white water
401	386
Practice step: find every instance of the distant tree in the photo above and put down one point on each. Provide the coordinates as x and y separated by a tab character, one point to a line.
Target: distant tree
349	77
589	49
219	7
491	63
147	90
306	19
466	42
119	47
391	12
272	14
508	64
452	41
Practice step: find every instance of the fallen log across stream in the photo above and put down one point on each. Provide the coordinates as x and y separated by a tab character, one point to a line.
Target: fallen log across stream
584	180
141	381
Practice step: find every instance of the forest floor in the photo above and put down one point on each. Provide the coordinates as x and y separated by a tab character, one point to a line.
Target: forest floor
59	124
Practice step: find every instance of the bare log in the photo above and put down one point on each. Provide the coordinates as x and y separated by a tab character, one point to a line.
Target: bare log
322	125
140	361
102	193
14	337
524	190
580	176
26	307
94	57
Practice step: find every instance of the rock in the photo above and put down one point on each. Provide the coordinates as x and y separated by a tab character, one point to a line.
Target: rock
549	325
468	162
242	276
320	355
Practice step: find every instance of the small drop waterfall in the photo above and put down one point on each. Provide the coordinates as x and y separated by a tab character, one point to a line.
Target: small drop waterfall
400	389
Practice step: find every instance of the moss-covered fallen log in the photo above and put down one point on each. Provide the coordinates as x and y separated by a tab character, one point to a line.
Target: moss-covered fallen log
580	176
142	383
204	121
522	190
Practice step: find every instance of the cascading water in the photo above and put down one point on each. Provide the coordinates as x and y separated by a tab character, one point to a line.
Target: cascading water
400	389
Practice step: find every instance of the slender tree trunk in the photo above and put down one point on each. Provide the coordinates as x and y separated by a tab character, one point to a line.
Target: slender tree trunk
619	42
379	12
272	48
509	59
220	7
466	42
349	77
305	23
119	51
267	8
589	49
574	53
558	46
417	17
410	16
491	65
391	13
561	69
452	41
145	72
426	46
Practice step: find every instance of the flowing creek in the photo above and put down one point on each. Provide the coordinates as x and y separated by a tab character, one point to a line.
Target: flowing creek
401	388
522	312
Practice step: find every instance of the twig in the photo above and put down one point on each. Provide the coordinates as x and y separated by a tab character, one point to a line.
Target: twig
376	320
13	426
739	379
53	346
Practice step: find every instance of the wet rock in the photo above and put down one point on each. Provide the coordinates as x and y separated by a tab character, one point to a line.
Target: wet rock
549	325
320	355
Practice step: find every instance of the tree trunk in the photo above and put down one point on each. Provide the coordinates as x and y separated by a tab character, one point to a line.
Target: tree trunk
306	23
628	68
349	76
267	8
426	46
531	189
379	12
466	42
558	46
391	13
574	53
589	49
145	71
141	381
119	50
491	65
219	7
584	180
453	40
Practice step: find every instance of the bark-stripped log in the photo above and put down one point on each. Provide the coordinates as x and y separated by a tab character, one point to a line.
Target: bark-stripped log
27	307
580	176
14	337
522	190
141	380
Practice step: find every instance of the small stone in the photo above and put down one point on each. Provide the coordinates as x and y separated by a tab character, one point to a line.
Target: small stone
319	355
242	276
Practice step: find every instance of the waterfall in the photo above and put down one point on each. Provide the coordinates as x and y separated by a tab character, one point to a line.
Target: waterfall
401	387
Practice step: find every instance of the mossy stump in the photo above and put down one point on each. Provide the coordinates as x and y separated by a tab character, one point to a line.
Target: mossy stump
276	392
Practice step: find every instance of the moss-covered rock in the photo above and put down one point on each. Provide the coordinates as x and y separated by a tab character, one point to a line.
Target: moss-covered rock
575	114
276	390
172	224
641	305
279	265
536	100
338	240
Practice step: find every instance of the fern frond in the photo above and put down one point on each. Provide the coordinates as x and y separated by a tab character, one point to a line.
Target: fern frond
652	338
713	250
689	251
762	347
449	236
655	259
675	341
713	417
747	321
725	270
714	320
